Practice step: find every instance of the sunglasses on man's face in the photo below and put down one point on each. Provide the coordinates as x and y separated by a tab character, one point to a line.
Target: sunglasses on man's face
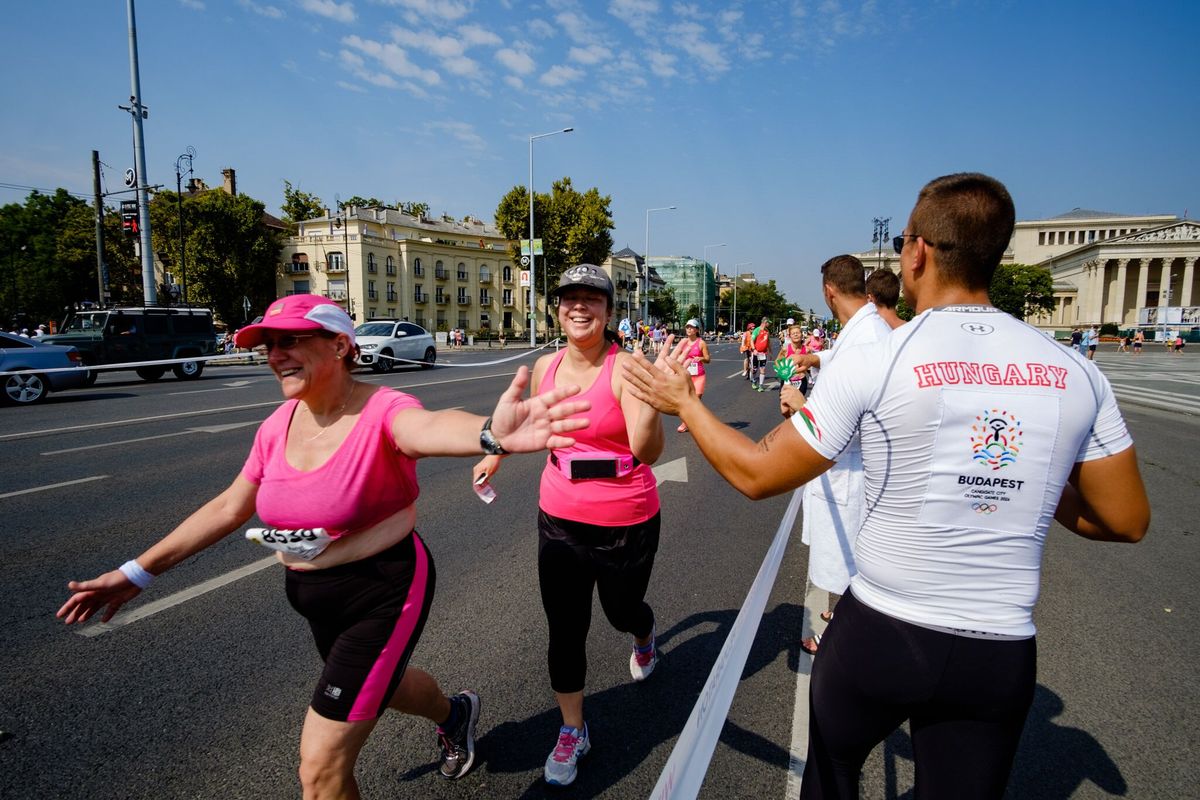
898	241
285	342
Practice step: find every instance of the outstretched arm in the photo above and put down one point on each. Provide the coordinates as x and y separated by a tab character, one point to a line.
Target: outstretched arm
209	524
521	426
782	460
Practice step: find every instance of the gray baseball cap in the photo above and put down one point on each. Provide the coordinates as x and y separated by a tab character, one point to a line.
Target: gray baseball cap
588	275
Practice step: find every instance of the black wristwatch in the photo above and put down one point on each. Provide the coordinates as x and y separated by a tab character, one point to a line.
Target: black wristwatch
489	442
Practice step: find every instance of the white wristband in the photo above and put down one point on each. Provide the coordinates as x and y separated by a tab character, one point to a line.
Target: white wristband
137	576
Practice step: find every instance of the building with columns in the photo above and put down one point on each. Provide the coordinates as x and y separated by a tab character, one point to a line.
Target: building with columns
1129	270
388	264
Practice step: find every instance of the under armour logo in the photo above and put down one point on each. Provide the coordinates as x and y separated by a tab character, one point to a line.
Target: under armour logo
977	328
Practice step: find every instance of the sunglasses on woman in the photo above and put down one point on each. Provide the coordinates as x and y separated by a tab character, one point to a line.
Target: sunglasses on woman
285	342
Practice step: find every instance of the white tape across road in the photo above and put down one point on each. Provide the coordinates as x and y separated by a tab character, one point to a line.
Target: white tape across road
685	769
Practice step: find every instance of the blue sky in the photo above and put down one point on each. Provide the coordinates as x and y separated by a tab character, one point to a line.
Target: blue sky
778	127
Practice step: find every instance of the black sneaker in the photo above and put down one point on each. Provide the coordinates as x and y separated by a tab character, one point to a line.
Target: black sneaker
458	746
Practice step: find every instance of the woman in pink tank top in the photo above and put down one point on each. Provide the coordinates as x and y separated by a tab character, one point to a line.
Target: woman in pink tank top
332	471
598	520
695	356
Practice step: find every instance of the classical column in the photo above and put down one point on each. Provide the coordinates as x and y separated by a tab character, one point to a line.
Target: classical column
1143	282
1116	303
1165	296
1095	313
1189	275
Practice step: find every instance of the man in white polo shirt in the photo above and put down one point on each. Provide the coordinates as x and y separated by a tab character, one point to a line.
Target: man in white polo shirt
976	431
833	503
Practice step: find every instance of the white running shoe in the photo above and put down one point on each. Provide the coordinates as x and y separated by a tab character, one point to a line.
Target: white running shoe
572	745
642	664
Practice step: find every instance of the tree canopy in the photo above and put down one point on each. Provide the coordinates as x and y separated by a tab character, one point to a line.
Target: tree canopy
663	305
759	300
1022	290
230	255
299	206
575	228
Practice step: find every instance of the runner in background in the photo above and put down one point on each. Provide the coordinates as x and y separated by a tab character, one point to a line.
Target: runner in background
697	356
746	348
760	339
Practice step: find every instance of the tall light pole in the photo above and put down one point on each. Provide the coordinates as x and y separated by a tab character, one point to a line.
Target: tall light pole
733	325
187	156
139	112
704	297
646	294
532	257
880	236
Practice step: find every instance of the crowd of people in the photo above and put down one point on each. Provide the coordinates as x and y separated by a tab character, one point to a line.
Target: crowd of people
930	612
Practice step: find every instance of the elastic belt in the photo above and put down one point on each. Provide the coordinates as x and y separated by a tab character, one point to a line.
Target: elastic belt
554	460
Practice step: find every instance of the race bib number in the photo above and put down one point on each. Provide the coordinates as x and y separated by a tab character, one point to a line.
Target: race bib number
761	356
306	543
693	368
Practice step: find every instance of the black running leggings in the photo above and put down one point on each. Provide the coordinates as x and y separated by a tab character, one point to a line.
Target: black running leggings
573	557
965	699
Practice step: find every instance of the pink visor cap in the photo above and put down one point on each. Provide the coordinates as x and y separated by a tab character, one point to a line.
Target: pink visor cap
297	313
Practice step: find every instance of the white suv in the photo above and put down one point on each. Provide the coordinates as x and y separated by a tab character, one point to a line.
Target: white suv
382	341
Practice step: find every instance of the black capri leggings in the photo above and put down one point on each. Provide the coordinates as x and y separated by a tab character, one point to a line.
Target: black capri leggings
572	558
966	700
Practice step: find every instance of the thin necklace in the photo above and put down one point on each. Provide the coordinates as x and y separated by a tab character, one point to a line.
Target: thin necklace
338	416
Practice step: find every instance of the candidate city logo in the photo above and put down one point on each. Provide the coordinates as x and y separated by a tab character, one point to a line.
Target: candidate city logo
977	328
996	438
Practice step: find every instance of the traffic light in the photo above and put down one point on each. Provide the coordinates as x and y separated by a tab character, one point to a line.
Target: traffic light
129	217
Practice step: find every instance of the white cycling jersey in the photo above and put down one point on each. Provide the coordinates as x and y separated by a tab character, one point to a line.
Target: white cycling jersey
971	422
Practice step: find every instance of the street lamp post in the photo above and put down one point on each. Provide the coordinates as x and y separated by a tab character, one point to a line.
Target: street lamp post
646	294
187	156
880	236
704	297
733	325
532	257
343	221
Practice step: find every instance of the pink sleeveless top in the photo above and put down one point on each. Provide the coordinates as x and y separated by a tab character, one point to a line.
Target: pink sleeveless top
364	482
598	501
694	352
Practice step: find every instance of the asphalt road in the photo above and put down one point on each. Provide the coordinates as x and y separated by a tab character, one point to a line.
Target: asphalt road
205	698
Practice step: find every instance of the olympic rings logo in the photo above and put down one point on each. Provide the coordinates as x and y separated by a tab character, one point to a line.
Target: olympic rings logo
983	508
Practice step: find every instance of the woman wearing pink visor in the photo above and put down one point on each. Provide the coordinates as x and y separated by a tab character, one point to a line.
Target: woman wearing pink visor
333	473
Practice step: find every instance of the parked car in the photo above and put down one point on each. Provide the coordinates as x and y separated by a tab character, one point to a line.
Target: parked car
18	353
131	335
382	340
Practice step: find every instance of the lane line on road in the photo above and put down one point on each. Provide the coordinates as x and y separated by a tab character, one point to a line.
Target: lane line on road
54	486
814	599
207	411
170	601
210	429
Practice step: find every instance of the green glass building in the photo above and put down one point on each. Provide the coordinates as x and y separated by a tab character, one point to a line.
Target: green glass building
694	282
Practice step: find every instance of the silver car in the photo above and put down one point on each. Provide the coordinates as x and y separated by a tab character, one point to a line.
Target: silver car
18	354
385	344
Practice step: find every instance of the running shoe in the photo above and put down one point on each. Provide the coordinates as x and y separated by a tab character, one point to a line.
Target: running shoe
458	746
572	745
643	661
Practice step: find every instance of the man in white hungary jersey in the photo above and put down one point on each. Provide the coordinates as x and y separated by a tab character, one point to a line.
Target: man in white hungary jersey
976	431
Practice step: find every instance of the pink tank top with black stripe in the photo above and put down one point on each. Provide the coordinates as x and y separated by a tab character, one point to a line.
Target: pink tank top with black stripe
598	501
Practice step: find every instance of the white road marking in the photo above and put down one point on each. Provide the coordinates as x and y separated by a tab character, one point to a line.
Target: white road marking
815	600
149	609
209	429
671	471
53	486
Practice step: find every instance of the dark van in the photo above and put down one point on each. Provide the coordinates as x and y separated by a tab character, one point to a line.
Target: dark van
130	335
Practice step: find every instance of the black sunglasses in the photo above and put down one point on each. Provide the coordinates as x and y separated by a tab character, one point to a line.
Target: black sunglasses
898	241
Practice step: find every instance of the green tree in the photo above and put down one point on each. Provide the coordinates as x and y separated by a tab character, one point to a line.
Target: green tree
761	300
693	312
364	202
77	247
1022	290
575	228
231	255
903	309
663	305
299	206
414	209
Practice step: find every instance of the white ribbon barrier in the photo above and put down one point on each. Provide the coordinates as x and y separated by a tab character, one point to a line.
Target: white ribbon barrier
518	356
685	769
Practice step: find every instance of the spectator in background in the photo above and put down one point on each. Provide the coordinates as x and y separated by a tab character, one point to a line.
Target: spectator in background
883	290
